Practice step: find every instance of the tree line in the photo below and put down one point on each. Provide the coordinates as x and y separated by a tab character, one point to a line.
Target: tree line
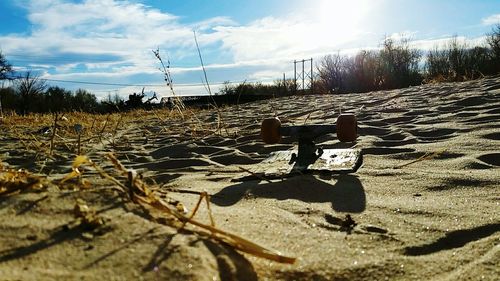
397	64
30	94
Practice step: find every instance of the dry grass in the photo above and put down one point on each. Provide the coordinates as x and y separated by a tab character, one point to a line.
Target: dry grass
59	137
16	181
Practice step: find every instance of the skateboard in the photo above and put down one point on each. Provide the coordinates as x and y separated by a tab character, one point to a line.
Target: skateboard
308	157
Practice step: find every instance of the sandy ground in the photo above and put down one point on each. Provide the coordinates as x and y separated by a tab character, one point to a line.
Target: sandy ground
435	219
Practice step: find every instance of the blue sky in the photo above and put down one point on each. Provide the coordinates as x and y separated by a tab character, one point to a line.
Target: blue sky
106	44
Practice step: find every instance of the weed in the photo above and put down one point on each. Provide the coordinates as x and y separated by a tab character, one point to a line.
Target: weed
136	190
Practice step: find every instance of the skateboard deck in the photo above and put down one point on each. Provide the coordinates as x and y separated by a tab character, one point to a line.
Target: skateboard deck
308	157
336	161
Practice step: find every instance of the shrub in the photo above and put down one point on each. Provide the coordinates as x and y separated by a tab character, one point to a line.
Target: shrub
458	61
395	65
331	71
57	99
399	64
437	63
493	40
5	67
30	90
84	101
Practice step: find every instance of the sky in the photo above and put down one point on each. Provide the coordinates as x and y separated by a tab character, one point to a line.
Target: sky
105	46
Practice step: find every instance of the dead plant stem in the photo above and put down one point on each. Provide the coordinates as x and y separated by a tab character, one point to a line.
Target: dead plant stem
53	133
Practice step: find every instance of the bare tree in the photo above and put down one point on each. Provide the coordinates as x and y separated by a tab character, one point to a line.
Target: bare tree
400	62
457	58
30	88
364	72
5	69
493	40
437	64
331	70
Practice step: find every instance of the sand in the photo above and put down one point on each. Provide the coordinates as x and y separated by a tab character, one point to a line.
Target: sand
435	219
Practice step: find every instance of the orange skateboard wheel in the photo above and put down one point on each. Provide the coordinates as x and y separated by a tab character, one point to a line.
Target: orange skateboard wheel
347	127
270	130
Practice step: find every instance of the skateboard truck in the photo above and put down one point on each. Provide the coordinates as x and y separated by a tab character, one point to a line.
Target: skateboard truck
310	157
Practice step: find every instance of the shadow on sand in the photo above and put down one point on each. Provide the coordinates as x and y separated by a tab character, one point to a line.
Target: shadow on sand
346	194
454	239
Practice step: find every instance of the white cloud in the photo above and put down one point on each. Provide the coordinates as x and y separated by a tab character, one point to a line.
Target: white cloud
129	31
441	43
95	17
407	34
125	32
266	75
320	28
213	22
96	27
271	37
491	20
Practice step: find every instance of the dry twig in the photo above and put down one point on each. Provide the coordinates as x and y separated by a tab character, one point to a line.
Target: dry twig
140	193
426	156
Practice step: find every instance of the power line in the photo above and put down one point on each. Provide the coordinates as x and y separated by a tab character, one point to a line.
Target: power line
133	85
56	62
42	59
36	59
55	59
100	83
139	85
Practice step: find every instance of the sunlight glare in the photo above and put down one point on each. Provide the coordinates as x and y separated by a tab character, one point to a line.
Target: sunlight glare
342	19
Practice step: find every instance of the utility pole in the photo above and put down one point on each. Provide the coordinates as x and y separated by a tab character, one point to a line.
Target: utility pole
284	84
312	77
295	76
304	75
303	86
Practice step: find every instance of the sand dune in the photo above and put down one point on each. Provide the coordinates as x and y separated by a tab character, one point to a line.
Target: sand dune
437	219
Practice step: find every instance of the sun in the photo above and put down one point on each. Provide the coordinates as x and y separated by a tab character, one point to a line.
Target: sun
342	18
